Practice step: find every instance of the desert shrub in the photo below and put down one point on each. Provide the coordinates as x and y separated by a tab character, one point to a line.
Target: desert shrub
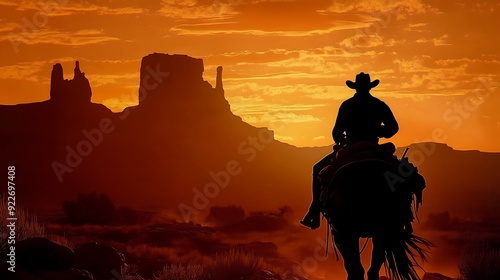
180	272
234	264
90	209
226	215
27	225
480	261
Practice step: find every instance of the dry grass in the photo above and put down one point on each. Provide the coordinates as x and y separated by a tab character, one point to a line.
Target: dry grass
61	240
233	264
480	261
180	272
27	225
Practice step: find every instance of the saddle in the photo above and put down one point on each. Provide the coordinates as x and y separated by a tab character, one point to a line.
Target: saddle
360	151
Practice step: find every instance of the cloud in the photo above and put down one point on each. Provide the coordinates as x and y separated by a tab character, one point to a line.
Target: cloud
257	110
8	3
313	91
281	117
289	118
283	138
66	8
33	71
302	70
258	105
438	77
25	71
384	6
439	41
98	80
257	18
410	65
362	41
191	9
418	27
9	26
250	56
68	38
229	28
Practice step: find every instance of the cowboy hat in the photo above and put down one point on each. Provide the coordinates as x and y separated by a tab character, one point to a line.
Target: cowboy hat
362	81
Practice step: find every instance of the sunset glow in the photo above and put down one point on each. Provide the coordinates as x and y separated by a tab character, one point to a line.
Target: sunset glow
217	160
285	62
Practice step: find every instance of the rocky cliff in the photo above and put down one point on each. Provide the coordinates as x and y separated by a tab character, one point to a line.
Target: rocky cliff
179	139
69	92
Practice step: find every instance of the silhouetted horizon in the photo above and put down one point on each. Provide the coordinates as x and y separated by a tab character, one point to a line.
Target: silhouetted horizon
186	121
56	91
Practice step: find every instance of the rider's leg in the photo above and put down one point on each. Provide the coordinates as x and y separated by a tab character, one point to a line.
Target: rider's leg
349	249
378	258
312	217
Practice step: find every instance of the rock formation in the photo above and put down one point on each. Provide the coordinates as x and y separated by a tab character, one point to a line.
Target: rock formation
175	83
164	72
75	91
34	254
41	259
104	262
218	83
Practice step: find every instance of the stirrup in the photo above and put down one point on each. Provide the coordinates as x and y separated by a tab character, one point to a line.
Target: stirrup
311	222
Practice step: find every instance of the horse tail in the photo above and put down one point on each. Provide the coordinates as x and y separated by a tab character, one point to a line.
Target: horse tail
401	254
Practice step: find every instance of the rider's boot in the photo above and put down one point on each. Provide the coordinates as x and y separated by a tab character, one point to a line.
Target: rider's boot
312	219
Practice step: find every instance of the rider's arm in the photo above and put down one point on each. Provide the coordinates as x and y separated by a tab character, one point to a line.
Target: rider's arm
339	128
390	126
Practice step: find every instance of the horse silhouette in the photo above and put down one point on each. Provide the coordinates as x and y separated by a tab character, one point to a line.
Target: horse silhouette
371	198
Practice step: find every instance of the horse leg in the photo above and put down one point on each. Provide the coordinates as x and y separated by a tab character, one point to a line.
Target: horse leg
349	249
378	258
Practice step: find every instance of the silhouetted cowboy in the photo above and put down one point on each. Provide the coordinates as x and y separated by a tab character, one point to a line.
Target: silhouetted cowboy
360	118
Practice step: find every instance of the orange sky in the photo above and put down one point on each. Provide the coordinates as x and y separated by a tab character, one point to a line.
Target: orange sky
285	61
